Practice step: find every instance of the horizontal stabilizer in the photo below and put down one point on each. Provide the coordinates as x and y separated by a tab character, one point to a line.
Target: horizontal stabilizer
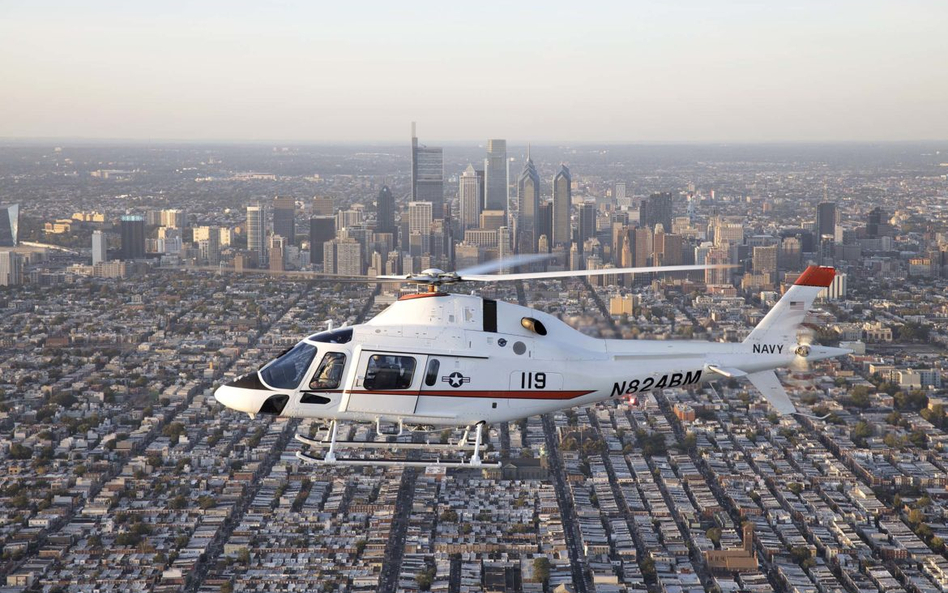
729	372
769	386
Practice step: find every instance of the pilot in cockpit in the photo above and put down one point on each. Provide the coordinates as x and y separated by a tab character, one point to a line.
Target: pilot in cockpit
329	373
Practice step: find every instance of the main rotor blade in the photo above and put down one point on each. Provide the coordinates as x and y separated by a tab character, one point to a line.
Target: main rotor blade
507	262
588	273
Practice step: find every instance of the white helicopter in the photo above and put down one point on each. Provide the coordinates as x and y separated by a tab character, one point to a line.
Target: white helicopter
450	360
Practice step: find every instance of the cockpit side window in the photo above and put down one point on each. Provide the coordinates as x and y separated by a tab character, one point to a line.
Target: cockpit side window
329	373
431	374
286	372
389	372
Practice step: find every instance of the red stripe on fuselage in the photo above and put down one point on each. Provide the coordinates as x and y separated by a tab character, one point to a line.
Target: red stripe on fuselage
481	394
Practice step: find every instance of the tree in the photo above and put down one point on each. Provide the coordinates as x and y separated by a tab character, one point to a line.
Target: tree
800	554
425	578
916	516
19	451
714	534
795	487
862	431
919	439
541	569
227	587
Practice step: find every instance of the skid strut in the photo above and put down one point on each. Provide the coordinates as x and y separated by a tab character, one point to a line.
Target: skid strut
329	440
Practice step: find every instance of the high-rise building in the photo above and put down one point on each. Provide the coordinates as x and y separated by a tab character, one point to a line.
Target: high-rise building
321	229
528	194
878	223
503	245
544	226
622	200
100	248
495	176
385	211
133	236
826	219
323	206
256	232
9	224
587	223
420	215
765	261
718	256
427	175
173	218
277	253
210	247
492	220
342	256
562	202
10	268
656	209
469	197
284	219
642	246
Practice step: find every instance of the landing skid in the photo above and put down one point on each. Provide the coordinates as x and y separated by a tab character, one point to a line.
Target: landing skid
330	441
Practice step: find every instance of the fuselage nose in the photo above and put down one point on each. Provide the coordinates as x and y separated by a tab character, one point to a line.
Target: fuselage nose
248	394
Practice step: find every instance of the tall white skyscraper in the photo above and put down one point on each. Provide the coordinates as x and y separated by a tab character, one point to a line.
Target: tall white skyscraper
495	176
562	200
100	251
469	193
256	232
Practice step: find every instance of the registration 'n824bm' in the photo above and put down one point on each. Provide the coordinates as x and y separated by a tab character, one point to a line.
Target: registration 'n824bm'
664	382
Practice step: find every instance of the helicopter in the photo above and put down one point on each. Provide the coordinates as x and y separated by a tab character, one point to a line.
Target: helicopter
444	360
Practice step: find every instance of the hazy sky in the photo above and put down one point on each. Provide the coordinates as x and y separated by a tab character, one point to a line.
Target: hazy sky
316	71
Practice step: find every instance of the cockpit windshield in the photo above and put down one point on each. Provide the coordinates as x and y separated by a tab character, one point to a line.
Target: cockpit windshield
286	372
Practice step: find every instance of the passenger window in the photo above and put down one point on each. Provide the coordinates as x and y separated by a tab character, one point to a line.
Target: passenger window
389	372
431	375
329	373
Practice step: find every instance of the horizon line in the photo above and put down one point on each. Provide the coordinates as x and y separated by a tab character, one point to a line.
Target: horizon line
452	143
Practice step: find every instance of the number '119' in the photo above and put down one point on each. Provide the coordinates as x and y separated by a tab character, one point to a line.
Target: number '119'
532	380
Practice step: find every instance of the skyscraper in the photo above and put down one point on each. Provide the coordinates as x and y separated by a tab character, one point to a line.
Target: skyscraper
420	215
562	200
9	224
544	227
321	229
173	218
495	176
656	209
10	268
427	175
469	196
587	223
826	219
385	211
284	219
528	194
342	256
323	206
256	232
133	236
277	253
99	248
